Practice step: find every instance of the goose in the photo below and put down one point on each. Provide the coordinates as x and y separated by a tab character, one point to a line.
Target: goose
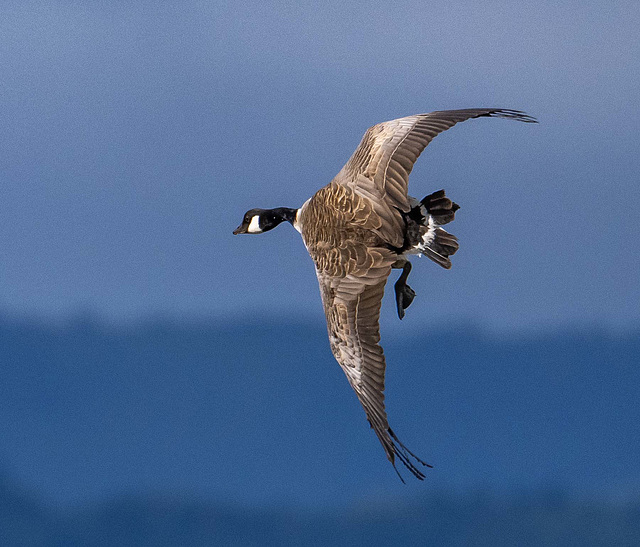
357	229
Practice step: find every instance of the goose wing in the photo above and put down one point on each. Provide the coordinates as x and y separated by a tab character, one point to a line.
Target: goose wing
379	168
352	307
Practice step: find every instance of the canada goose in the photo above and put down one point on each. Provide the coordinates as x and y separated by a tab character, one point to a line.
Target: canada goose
359	227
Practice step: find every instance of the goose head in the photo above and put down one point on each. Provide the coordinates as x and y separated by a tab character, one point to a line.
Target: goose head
257	221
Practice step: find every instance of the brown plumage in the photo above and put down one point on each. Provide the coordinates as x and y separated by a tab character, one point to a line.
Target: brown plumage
359	227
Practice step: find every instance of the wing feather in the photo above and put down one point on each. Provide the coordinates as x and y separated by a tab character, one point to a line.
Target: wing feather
379	168
352	307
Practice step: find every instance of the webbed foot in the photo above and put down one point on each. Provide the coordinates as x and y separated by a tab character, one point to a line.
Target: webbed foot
404	293
404	297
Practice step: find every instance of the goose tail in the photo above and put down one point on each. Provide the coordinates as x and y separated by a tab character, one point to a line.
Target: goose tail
438	244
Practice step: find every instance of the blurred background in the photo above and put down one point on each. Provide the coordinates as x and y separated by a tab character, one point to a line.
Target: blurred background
163	382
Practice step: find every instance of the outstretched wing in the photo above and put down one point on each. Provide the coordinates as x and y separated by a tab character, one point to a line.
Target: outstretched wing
379	168
352	306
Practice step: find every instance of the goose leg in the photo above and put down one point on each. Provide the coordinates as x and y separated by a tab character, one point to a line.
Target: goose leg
404	293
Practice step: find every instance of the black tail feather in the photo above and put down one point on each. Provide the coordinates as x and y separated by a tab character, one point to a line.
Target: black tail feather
440	207
441	248
437	210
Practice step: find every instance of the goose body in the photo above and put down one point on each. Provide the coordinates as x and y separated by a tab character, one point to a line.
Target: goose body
357	229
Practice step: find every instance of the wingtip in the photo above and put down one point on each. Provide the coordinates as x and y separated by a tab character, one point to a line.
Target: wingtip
398	473
404	455
509	114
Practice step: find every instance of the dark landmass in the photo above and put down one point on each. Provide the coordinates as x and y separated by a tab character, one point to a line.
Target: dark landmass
247	433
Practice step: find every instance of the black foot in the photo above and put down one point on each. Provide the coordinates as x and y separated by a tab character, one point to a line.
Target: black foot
404	297
404	293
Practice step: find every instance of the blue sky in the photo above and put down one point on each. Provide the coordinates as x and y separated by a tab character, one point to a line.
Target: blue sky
136	135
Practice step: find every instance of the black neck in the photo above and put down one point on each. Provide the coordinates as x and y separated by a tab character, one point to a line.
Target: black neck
285	213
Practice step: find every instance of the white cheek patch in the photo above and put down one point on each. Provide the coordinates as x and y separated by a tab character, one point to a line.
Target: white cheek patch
254	225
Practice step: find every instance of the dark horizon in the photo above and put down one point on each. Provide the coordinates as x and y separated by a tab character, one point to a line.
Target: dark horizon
74	394
477	517
167	432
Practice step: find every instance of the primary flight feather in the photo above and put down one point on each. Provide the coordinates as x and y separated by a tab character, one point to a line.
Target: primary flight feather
359	227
